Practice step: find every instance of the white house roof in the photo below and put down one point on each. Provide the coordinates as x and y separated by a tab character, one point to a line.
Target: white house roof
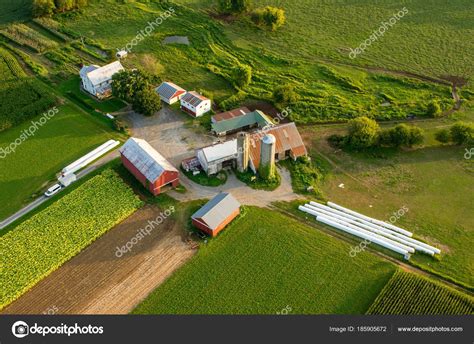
217	210
220	150
168	90
193	98
87	69
146	159
101	74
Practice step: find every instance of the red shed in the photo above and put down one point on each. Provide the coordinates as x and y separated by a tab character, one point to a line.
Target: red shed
148	166
216	214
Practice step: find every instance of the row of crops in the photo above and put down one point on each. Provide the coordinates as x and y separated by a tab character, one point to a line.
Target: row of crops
41	244
23	35
411	294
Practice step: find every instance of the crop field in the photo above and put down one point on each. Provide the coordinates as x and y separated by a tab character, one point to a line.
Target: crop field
23	35
44	242
68	135
22	97
265	262
410	294
328	91
434	182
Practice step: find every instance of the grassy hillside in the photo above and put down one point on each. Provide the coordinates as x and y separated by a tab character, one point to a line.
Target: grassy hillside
410	294
328	91
265	262
14	10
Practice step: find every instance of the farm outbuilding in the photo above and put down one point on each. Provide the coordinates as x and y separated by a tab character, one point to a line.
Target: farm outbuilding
148	166
230	114
98	80
195	104
246	121
170	93
218	156
216	214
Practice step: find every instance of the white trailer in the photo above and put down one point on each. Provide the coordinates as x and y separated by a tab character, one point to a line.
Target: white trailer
89	157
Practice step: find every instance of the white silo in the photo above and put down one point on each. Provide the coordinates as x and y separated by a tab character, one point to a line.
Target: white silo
243	154
266	168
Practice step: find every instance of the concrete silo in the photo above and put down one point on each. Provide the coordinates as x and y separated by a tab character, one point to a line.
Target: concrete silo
267	168
243	153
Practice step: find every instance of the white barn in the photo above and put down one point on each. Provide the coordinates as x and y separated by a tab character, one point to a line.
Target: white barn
214	158
97	80
195	104
170	93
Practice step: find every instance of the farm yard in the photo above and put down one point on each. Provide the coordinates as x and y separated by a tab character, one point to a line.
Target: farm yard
44	242
407	293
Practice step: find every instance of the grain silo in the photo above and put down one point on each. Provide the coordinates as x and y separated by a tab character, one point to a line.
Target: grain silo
267	157
243	156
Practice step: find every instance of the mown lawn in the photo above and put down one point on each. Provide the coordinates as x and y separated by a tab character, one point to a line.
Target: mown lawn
266	262
434	182
68	135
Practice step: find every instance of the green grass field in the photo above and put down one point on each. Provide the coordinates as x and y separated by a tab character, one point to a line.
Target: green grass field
328	91
410	294
264	262
44	242
68	135
434	182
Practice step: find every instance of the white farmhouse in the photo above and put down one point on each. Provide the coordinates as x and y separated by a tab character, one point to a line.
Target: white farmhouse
195	104
97	80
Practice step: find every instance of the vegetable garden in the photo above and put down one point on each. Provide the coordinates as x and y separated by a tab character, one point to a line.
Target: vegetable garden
44	242
407	294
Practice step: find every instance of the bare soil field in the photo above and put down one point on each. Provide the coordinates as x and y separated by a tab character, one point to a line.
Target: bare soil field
96	281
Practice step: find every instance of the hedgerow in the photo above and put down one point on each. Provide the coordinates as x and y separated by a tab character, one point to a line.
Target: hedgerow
47	240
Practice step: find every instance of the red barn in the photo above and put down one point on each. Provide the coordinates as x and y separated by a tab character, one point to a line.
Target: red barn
216	214
148	166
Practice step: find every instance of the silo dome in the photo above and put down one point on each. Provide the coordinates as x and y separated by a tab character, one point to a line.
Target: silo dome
269	139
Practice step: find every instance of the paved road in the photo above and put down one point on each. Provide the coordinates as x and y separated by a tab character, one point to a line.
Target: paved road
40	200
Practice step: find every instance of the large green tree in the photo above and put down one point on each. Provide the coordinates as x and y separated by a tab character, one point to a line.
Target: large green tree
42	8
362	132
128	82
146	102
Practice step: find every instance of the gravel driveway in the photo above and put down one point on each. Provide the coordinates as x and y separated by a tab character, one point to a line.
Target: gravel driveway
171	135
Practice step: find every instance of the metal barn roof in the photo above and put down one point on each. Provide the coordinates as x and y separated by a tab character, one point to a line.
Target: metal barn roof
104	73
230	114
146	159
245	120
169	90
217	210
220	150
287	138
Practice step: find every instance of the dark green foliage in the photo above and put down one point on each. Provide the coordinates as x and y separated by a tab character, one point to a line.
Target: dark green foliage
462	133
443	136
233	6
203	179
43	8
362	132
128	82
271	17
146	102
285	95
257	182
401	135
434	109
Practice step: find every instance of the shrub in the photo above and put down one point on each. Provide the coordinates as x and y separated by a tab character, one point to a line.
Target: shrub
336	141
271	17
285	95
363	132
462	133
242	75
233	6
434	109
42	8
443	136
401	135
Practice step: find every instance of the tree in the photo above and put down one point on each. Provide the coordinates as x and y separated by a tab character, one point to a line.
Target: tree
285	94
416	136
401	135
64	5
363	132
242	75
443	136
126	83
233	6
42	8
462	133
434	109
272	17
146	102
